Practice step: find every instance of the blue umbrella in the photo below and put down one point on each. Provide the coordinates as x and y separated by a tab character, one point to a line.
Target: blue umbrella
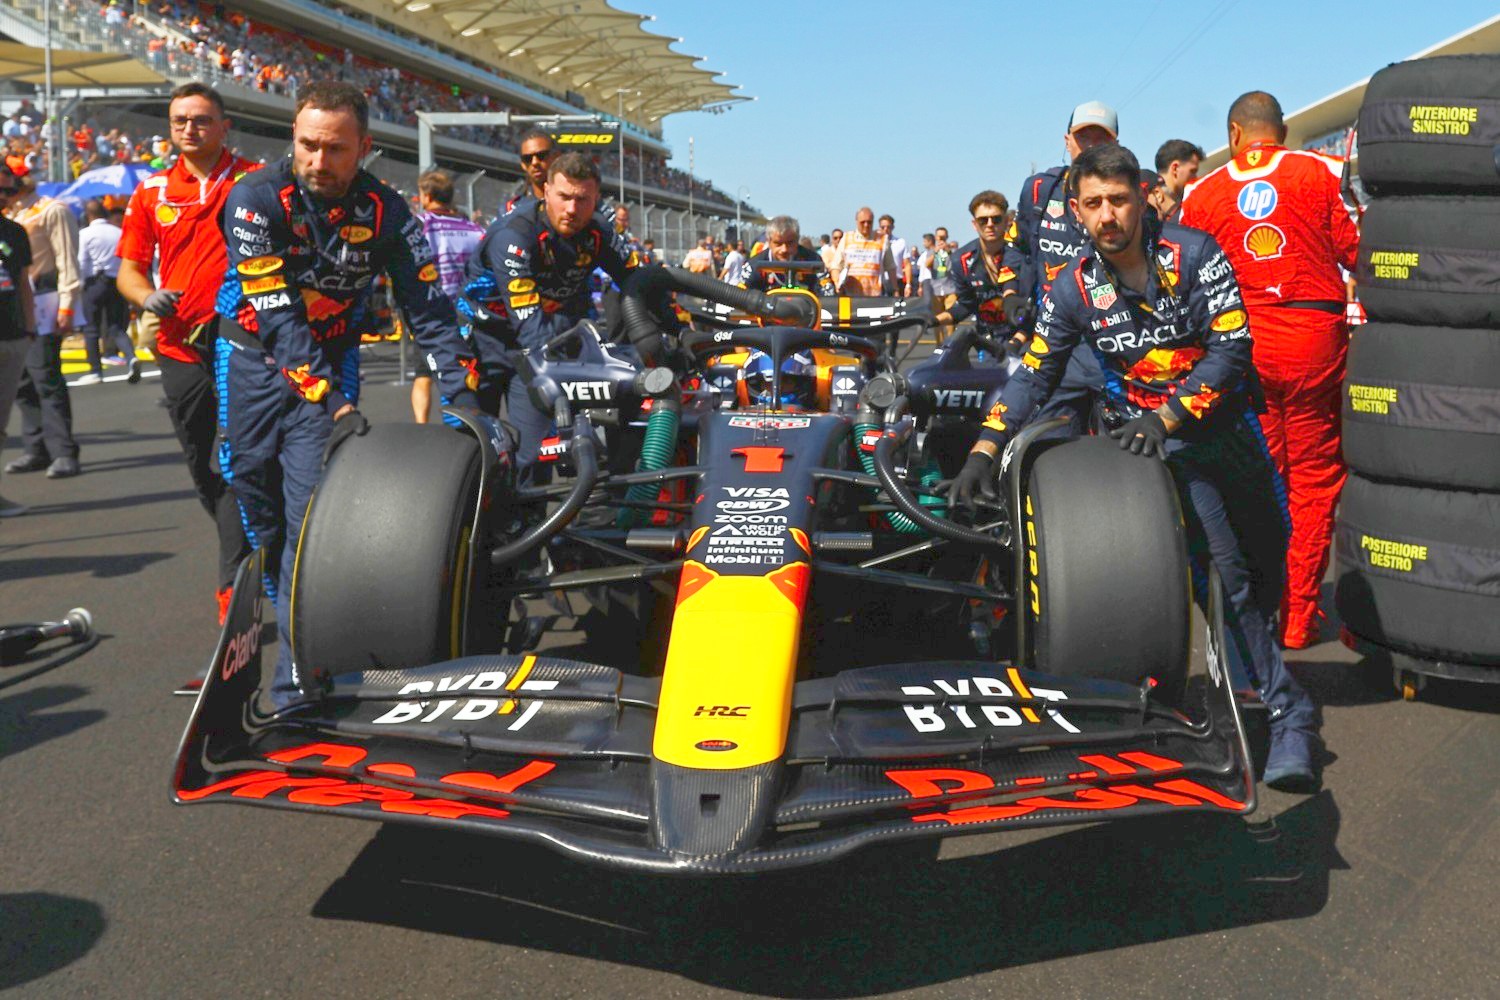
120	179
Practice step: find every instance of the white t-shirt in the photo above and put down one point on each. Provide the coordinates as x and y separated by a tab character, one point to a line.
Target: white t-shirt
734	263
924	265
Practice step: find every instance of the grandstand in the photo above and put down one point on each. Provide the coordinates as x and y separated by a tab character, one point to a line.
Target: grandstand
524	57
1324	124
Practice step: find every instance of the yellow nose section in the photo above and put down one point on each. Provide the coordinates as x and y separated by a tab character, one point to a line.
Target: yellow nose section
726	694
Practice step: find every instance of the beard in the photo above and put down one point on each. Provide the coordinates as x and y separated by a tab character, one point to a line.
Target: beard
1111	239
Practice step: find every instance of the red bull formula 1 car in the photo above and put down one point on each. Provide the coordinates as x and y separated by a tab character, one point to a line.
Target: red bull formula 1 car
822	657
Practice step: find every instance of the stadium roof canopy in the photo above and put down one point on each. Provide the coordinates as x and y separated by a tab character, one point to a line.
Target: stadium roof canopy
70	68
585	46
1328	118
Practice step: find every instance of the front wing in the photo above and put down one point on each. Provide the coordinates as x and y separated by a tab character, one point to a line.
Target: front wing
559	752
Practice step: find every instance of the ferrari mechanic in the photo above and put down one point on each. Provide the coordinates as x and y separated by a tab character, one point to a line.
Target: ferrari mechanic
1043	239
174	218
783	235
306	238
1280	217
529	281
979	268
1162	312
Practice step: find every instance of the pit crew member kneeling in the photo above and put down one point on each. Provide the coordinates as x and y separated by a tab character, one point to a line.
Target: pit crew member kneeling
306	238
529	282
1162	313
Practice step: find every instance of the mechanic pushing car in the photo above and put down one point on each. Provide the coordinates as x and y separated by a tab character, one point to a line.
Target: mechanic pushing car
1161	311
306	238
1044	238
1281	218
980	270
783	236
529	282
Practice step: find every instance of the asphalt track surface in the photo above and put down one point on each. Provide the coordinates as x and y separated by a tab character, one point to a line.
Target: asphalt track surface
1380	886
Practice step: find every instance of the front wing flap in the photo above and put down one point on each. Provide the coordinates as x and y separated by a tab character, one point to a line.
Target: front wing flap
559	752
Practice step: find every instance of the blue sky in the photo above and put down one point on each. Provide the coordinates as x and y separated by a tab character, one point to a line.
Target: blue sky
913	107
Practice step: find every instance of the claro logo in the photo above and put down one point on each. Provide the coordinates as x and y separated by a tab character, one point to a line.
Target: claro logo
242	647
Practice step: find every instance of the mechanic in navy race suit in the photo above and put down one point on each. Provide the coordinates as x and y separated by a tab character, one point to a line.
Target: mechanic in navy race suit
783	236
1159	307
306	238
980	271
1043	239
529	282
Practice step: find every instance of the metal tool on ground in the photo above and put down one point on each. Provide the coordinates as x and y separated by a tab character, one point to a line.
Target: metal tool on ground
18	640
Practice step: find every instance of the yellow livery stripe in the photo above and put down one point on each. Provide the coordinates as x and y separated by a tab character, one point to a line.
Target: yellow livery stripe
725	703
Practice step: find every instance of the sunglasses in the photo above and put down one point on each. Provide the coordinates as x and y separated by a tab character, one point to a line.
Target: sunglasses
533	157
989	220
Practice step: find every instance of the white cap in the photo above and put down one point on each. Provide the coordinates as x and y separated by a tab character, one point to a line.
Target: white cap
1094	113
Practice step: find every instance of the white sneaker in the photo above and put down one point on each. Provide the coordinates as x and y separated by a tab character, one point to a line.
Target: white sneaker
88	378
9	508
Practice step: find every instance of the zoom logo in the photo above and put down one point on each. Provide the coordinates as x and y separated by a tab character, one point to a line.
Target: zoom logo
1257	200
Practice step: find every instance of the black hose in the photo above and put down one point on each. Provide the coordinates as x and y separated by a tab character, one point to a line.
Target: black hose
641	327
902	498
586	461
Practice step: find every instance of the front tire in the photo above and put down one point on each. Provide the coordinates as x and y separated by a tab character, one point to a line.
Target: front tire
382	577
1108	588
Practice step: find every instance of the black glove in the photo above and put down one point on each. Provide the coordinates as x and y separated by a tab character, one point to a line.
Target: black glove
1145	435
351	424
1014	306
162	302
974	478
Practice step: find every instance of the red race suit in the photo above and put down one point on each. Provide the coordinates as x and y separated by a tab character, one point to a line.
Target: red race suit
178	214
1278	214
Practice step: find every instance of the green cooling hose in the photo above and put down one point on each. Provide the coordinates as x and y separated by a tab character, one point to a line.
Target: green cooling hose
656	453
930	475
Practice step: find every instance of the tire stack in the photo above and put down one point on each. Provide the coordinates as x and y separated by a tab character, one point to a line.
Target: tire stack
1418	537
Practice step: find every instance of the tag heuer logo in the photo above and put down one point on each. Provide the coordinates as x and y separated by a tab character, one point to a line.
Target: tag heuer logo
1103	296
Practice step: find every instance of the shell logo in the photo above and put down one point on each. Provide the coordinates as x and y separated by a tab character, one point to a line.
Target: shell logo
166	214
1264	242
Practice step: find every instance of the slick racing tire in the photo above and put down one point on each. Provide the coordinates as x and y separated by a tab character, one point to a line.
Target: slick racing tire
1422	406
382	575
1431	260
1109	591
1419	569
1432	125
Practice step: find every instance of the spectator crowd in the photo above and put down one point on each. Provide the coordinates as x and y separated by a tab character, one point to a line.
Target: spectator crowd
218	43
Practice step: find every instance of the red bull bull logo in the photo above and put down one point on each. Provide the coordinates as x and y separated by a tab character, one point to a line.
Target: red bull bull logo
320	307
1163	364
